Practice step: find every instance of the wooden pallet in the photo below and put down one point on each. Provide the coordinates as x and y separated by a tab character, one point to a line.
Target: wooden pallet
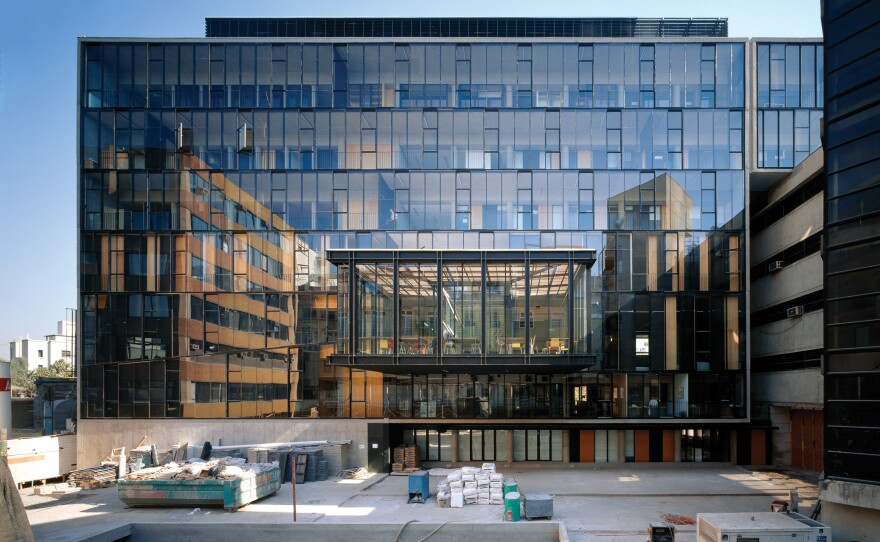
406	472
301	460
407	455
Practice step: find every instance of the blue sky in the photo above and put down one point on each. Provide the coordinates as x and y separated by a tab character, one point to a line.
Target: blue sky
38	105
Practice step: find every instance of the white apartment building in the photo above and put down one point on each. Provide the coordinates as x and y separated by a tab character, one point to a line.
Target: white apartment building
44	351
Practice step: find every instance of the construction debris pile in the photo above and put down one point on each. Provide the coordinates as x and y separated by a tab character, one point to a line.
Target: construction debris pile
471	485
227	468
358	473
97	476
406	459
310	461
132	460
675	519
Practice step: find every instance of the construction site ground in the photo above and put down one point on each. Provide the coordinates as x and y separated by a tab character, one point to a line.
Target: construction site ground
602	502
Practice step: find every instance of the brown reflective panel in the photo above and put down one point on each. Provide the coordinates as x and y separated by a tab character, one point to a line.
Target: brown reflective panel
588	446
759	447
732	333
671	321
669	445
643	445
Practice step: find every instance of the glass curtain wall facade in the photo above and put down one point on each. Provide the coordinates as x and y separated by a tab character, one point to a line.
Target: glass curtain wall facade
791	93
217	176
852	268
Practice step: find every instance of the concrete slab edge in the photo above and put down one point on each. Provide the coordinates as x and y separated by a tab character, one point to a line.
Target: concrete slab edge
309	531
112	535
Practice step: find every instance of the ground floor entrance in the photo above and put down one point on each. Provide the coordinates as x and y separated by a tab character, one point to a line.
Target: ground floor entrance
576	445
640	445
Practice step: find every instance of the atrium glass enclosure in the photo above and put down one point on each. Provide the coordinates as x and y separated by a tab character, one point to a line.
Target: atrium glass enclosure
466	308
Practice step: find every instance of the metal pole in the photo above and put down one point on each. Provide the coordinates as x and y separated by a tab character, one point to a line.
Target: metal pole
293	482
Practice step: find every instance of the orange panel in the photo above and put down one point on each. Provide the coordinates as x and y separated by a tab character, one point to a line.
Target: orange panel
588	446
25	459
669	445
759	447
643	446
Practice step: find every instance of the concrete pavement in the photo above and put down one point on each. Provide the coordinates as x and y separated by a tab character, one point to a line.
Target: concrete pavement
597	502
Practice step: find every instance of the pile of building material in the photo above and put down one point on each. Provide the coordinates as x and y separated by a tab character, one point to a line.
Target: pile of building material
93	477
471	485
316	466
228	482
258	455
358	473
406	459
317	460
227	468
145	456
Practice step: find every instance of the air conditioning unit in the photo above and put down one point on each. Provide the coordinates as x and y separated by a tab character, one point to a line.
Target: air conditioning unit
795	311
245	139
184	138
769	526
776	266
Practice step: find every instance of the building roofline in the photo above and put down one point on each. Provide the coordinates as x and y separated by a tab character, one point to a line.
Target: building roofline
470	27
108	39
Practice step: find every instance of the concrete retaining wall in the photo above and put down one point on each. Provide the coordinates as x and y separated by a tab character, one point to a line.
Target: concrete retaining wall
95	438
305	532
852	510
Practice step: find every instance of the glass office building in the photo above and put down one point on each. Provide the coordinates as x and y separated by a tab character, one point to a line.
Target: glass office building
852	334
501	239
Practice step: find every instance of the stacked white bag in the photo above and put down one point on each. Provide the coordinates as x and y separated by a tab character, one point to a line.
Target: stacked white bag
456	497
471	485
482	488
443	494
496	488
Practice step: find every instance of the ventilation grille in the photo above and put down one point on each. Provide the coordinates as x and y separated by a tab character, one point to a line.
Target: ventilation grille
706	532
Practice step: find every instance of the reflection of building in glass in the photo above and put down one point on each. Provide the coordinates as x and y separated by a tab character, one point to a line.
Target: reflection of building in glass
187	299
659	203
476	234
